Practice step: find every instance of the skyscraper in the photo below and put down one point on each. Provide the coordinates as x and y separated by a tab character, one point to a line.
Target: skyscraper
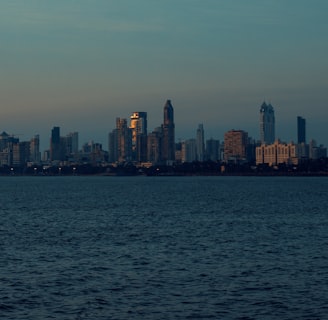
21	153
120	142
189	150
168	152
267	124
301	130
35	155
113	146
213	150
154	145
200	144
55	146
138	126
73	146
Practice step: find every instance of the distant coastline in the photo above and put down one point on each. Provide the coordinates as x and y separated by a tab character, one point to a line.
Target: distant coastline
209	168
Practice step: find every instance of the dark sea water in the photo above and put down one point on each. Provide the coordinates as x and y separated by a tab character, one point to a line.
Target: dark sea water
163	248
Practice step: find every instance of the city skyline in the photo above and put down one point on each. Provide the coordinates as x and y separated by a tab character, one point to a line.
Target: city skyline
79	66
45	142
129	143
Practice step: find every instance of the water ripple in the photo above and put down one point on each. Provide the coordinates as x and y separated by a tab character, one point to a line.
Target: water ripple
163	248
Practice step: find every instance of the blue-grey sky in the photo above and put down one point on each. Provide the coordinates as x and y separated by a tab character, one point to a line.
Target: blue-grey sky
79	64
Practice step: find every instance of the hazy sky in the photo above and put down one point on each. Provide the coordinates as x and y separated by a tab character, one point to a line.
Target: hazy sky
79	64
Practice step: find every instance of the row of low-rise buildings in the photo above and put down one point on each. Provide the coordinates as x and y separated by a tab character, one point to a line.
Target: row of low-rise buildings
289	153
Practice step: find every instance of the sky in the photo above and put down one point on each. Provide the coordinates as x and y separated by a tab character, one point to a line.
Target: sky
80	64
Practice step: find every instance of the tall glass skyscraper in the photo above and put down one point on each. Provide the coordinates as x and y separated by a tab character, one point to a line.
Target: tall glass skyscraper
138	126
35	155
200	144
267	124
55	146
301	133
168	151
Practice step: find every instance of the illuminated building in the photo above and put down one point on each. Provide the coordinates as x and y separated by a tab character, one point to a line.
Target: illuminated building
277	153
138	126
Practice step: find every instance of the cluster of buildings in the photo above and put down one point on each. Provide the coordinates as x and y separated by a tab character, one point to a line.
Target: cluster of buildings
238	147
273	152
130	142
16	153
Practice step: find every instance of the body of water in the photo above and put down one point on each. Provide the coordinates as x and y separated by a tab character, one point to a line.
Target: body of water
163	248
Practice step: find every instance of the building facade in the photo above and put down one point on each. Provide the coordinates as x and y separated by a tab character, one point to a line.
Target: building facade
35	154
301	130
213	150
189	150
72	144
288	153
235	146
7	143
277	153
55	145
120	142
154	146
168	143
138	126
267	124
200	144
21	153
317	151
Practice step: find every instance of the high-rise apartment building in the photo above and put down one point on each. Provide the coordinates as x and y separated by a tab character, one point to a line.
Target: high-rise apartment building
93	153
138	126
113	146
189	150
72	145
21	153
235	145
301	130
213	150
120	142
317	152
55	144
154	146
200	144
4	138
35	154
168	145
267	124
